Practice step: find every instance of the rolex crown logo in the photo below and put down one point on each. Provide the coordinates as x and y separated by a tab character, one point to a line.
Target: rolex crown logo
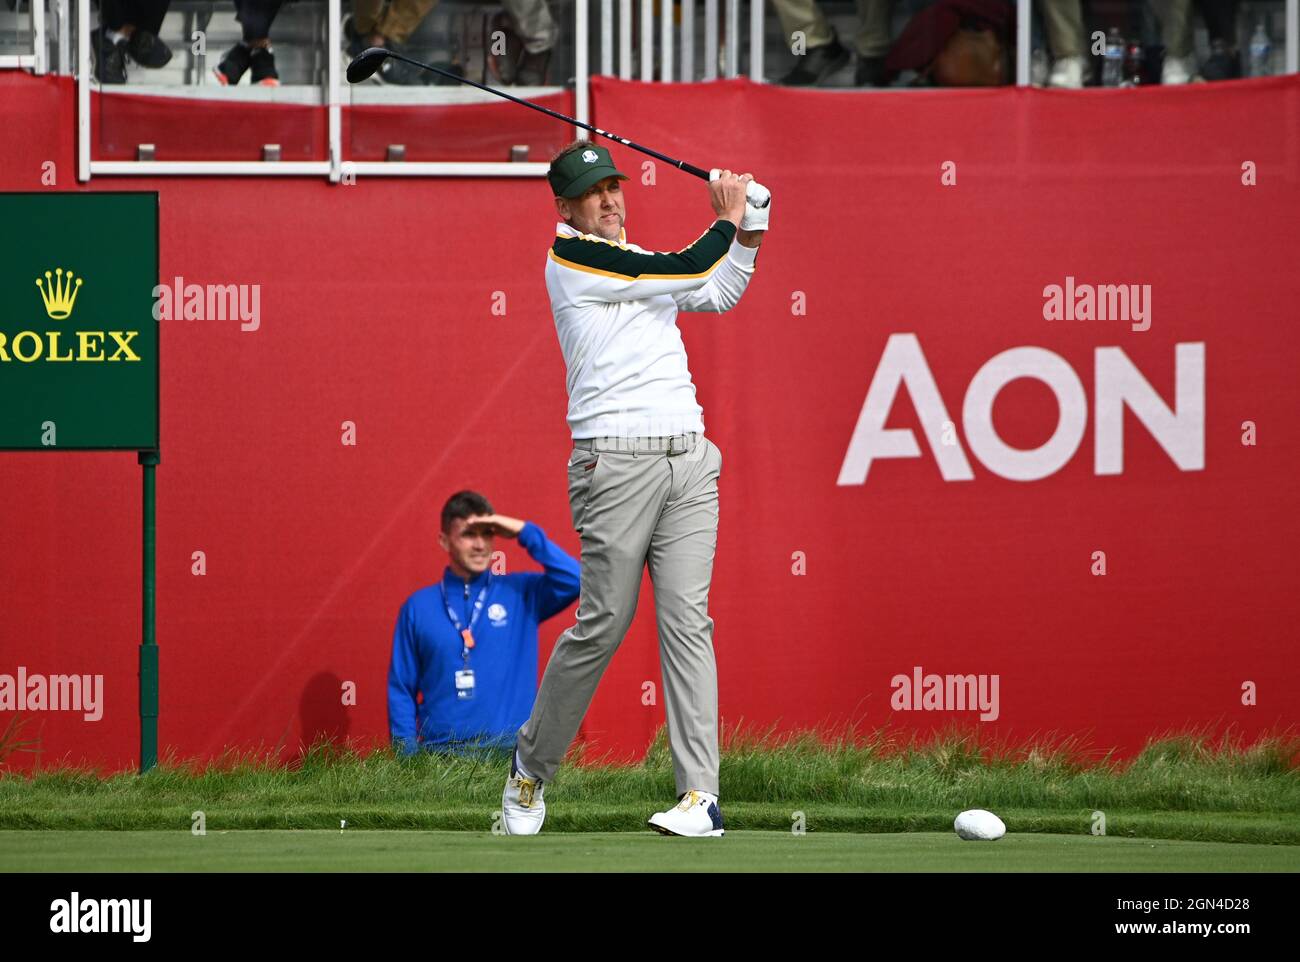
59	293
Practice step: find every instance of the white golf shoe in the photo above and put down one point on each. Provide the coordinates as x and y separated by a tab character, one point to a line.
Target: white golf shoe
1067	72
1176	70
522	808
696	816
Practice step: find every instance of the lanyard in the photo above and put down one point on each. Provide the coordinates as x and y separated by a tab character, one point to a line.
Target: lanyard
466	634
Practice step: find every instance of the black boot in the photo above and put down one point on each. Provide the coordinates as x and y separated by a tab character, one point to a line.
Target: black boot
817	64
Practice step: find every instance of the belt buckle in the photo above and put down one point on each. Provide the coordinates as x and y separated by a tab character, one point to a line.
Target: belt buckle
673	450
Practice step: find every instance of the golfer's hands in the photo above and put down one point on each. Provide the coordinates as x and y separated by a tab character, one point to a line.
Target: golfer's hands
727	193
496	524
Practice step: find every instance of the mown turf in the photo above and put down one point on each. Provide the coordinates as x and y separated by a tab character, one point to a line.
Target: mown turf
1187	787
368	851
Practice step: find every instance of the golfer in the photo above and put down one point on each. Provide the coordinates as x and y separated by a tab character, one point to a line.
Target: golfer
643	478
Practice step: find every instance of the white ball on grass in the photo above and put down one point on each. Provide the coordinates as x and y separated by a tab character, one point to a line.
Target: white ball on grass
978	825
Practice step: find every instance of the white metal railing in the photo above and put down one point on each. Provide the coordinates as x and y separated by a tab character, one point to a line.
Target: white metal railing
334	166
1023	23
1293	36
1023	13
676	60
676	45
36	60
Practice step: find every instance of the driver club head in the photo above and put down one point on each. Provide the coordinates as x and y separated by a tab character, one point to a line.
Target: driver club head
365	64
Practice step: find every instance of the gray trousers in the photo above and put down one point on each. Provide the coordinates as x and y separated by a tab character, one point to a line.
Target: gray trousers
635	502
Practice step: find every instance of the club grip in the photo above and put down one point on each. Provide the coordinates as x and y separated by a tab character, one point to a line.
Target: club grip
756	194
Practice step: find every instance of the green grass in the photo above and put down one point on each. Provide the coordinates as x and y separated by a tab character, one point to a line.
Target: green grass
1188	787
371	851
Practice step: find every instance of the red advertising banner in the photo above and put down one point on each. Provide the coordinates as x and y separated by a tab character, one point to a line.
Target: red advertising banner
1008	418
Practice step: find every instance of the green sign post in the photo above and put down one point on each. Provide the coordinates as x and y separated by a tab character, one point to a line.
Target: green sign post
79	352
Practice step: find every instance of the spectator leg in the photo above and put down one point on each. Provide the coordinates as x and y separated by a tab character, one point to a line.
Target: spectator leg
534	24
402	17
874	37
805	16
1063	22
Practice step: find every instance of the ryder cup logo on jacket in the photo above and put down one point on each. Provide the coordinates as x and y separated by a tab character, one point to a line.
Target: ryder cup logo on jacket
497	615
590	156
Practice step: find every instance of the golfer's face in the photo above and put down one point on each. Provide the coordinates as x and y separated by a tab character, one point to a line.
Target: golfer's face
470	543
600	210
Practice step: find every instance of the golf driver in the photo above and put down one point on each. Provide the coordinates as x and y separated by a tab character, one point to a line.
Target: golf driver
369	60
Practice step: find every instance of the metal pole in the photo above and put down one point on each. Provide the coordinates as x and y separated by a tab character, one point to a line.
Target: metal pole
666	43
581	65
149	642
65	34
1022	43
334	110
1292	36
83	90
38	31
733	38
688	41
624	39
710	39
607	37
647	41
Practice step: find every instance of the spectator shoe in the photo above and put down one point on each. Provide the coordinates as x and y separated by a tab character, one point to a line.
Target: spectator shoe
1067	73
110	57
148	50
353	41
532	68
817	64
233	65
262	62
1224	62
870	72
1176	70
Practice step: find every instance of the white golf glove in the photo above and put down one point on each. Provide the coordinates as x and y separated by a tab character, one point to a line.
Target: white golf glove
754	218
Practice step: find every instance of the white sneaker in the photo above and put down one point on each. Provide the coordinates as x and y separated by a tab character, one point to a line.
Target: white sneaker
1176	70
522	807
696	816
1067	72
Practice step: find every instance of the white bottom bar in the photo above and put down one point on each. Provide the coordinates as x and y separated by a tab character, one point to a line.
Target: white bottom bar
204	168
258	168
445	168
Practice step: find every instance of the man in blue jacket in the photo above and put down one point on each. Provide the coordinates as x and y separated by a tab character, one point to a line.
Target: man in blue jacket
464	666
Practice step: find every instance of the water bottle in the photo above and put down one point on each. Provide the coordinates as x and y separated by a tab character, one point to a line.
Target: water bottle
1261	51
1112	69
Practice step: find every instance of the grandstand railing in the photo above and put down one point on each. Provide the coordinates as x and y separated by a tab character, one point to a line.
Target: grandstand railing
676	61
36	60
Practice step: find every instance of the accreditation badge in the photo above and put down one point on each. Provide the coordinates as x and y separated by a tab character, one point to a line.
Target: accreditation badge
465	683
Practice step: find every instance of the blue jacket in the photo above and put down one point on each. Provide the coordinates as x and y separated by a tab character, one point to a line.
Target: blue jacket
427	651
